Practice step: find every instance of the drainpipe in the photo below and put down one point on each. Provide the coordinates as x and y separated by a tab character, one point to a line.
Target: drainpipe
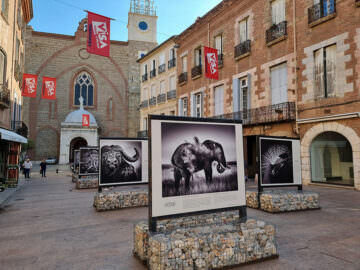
296	69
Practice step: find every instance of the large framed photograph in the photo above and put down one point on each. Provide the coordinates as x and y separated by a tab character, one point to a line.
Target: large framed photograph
89	161
123	161
76	160
197	165
279	161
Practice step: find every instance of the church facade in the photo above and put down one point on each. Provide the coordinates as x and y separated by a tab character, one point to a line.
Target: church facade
110	87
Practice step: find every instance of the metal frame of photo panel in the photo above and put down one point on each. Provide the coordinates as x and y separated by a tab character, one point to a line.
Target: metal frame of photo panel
118	184
93	148
258	151
75	164
241	208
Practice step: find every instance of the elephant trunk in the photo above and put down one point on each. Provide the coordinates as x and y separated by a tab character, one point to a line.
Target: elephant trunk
131	159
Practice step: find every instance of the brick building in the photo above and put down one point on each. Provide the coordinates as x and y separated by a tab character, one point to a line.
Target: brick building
110	86
14	16
158	86
287	68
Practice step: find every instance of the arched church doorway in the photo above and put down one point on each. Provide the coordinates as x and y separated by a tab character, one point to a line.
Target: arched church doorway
75	144
331	158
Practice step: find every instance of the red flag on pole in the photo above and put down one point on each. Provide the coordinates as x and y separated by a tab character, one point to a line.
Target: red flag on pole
48	88
86	120
29	85
211	63
98	34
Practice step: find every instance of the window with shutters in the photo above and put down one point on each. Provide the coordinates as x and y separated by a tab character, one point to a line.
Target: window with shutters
2	68
172	83
184	63
153	91
219	44
172	54
84	86
278	11
244	94
325	72
162	87
244	30
197	59
145	94
219	100
183	106
198	104
279	84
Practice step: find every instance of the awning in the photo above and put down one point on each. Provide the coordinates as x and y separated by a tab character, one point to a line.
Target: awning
8	135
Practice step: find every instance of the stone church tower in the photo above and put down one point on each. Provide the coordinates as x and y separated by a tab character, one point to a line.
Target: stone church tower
110	86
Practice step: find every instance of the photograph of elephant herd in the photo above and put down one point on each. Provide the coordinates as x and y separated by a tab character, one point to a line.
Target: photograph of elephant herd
89	161
276	161
121	162
198	159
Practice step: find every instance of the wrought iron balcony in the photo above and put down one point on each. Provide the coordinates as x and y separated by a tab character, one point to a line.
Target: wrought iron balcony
20	128
153	73
242	49
171	94
220	60
321	10
145	77
196	71
183	77
276	31
161	98
144	104
152	101
172	63
142	134
283	112
162	68
4	96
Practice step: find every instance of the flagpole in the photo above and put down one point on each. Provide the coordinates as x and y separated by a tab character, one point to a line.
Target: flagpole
85	10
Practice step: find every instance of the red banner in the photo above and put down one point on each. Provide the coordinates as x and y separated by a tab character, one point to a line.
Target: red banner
48	88
98	34
86	120
29	85
211	63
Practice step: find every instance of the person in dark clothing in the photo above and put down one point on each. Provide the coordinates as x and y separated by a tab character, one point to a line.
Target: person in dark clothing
43	168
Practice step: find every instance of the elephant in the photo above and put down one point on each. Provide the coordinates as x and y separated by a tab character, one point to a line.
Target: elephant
189	158
115	164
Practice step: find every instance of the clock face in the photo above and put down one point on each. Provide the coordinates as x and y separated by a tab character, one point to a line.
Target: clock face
143	26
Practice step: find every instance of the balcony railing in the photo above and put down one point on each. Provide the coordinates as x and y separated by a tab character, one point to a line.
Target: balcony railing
282	112
162	68
161	98
196	71
144	104
4	96
145	77
171	94
142	134
20	128
276	32
220	60
321	10
243	48
183	77
172	63
153	73
152	101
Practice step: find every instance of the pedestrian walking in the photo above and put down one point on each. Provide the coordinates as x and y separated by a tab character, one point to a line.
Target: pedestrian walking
43	169
27	167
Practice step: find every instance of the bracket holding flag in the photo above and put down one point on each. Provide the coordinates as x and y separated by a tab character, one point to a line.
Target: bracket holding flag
98	41
211	63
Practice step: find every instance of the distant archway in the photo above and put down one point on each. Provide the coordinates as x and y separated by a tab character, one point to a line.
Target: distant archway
75	144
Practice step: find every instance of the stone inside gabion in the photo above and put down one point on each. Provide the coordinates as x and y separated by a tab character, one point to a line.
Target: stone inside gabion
283	200
106	201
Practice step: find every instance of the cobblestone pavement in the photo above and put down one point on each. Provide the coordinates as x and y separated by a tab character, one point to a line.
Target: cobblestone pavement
52	226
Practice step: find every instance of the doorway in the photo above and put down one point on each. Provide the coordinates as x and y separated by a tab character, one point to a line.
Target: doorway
75	145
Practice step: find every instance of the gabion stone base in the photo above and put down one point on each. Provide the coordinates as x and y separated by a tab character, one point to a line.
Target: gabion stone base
106	201
207	247
276	201
87	182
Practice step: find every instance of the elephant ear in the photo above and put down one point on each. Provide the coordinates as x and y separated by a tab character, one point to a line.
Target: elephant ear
196	139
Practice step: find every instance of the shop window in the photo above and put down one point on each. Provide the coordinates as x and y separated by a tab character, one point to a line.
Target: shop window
332	159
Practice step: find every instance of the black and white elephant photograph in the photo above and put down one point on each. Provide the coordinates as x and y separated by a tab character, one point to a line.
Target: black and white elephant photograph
276	162
198	159
89	161
121	162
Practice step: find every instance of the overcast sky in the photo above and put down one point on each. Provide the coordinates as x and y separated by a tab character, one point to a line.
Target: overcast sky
63	16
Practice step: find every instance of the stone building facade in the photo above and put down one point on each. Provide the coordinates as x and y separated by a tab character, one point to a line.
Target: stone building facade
158	87
14	16
110	86
255	42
